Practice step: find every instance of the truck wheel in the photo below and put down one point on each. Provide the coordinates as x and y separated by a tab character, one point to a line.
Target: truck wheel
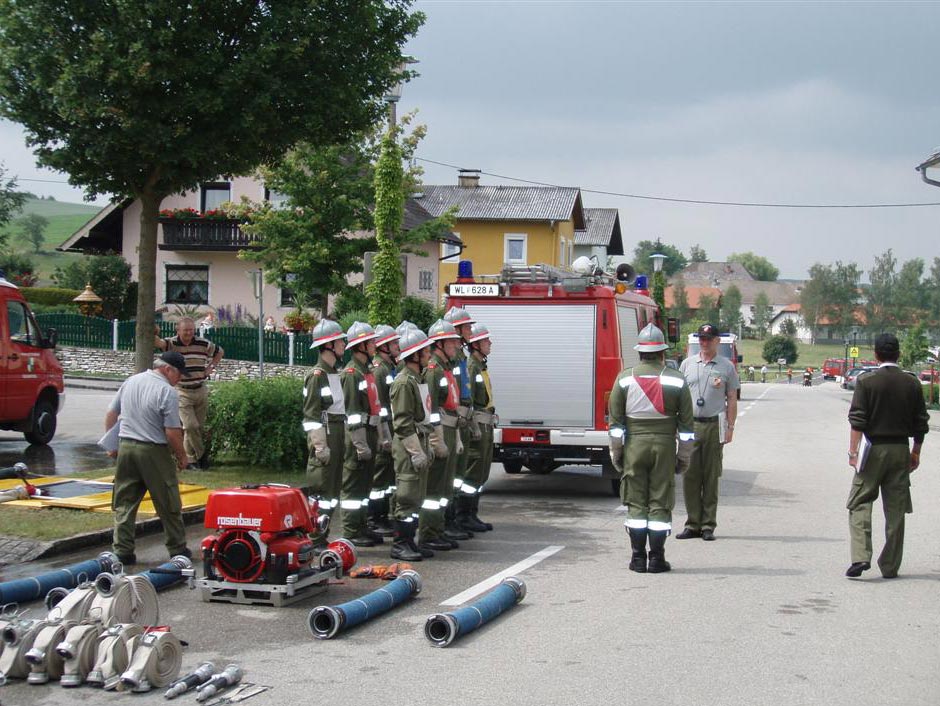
44	423
512	466
542	467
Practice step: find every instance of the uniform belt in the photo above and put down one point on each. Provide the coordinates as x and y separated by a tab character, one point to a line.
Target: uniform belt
464	411
191	387
334	417
448	419
125	440
706	420
483	417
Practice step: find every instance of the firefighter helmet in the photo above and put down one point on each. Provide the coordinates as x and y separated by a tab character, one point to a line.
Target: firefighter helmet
412	341
358	333
651	340
458	316
326	331
441	330
478	332
385	334
404	326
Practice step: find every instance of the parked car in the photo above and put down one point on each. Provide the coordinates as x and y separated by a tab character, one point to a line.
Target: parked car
848	382
31	380
925	376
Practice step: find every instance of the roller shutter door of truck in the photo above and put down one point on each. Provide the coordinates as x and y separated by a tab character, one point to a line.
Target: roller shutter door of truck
542	365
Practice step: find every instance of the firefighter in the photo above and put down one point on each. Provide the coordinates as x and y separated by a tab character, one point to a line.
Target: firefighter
649	405
445	442
462	322
411	426
480	446
383	482
325	418
362	420
400	330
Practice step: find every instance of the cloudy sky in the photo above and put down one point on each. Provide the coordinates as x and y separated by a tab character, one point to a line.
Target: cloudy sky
803	103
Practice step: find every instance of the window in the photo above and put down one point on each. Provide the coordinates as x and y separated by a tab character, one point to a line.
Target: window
450	252
514	248
187	284
276	198
425	280
562	252
214	195
287	293
23	328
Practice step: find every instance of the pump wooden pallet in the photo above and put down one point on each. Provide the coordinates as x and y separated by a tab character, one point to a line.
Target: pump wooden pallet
272	594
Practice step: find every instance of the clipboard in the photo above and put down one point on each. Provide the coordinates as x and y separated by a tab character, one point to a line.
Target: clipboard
863	448
110	441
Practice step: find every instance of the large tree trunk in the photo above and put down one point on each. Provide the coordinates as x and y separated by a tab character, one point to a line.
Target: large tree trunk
146	277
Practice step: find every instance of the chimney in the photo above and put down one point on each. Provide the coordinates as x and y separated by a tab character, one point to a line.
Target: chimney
468	178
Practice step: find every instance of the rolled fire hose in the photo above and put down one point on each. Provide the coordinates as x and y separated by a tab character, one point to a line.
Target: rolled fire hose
115	647
168	573
79	650
124	599
443	628
156	662
73	605
18	639
326	622
45	663
34	588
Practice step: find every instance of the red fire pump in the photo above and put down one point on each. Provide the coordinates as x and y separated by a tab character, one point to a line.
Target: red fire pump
261	551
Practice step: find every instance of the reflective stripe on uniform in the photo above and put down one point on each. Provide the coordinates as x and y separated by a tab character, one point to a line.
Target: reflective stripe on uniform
354	419
309	426
657	526
468	489
617	432
430	505
624	382
635	524
376	494
478	378
671	381
364	502
686	436
350	504
325	392
434	418
363	385
445	502
443	382
303	391
457	482
383	412
389	379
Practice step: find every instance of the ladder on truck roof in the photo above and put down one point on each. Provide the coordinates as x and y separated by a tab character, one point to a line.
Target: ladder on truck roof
547	274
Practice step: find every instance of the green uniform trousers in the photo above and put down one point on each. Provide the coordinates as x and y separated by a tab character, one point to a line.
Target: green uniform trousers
439	489
383	479
194	405
357	482
142	468
648	486
887	468
462	463
410	483
700	480
325	479
480	458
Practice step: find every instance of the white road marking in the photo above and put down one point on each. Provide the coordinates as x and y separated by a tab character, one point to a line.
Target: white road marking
487	584
759	398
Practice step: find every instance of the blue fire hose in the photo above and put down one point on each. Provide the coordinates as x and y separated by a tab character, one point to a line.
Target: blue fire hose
326	622
443	628
169	573
36	587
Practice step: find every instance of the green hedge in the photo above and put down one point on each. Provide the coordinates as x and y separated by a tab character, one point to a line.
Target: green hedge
50	296
260	422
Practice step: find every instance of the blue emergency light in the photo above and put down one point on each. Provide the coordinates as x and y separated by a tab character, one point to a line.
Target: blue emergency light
465	269
641	282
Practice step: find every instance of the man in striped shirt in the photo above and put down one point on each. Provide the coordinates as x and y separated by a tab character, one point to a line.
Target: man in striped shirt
202	357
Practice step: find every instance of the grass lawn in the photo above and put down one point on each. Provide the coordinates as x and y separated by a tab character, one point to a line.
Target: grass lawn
50	524
808	355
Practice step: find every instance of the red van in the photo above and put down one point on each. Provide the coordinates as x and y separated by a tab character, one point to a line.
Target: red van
32	390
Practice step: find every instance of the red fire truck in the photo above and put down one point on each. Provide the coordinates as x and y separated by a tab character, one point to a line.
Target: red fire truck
559	341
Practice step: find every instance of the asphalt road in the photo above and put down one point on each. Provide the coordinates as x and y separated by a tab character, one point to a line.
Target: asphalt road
764	615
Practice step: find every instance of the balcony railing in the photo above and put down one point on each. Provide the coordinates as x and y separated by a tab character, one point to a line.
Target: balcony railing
204	234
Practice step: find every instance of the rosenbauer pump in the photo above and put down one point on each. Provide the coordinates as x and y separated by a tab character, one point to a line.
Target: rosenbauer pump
560	338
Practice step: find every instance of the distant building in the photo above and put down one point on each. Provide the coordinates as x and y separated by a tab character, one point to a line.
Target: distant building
602	237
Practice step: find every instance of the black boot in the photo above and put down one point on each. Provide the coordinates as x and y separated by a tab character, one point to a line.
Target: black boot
657	555
638	543
403	546
464	518
382	524
476	518
452	530
372	526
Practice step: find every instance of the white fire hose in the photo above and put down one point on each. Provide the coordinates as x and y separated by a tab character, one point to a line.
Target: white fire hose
18	493
156	662
44	662
74	606
125	599
79	649
115	647
18	638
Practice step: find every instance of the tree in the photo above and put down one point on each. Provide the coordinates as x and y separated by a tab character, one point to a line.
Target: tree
761	317
788	328
708	308
31	229
777	347
913	346
680	300
109	277
675	261
879	307
911	293
731	308
831	295
145	99
697	254
759	267
385	289
10	201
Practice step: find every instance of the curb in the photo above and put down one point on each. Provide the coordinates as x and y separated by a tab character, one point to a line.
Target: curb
92	383
103	537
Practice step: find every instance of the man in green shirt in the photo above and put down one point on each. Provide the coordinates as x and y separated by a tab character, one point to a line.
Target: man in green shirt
650	405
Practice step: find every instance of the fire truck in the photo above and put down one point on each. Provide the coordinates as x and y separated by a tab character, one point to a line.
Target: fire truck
560	338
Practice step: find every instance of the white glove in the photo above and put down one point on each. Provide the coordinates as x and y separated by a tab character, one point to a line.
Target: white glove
317	444
419	459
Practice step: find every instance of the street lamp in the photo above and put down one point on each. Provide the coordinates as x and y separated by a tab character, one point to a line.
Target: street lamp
88	302
394	93
257	283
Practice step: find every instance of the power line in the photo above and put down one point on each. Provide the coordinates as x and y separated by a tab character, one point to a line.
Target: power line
645	197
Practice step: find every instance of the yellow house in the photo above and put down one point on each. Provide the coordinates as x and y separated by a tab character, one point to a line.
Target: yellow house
500	225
